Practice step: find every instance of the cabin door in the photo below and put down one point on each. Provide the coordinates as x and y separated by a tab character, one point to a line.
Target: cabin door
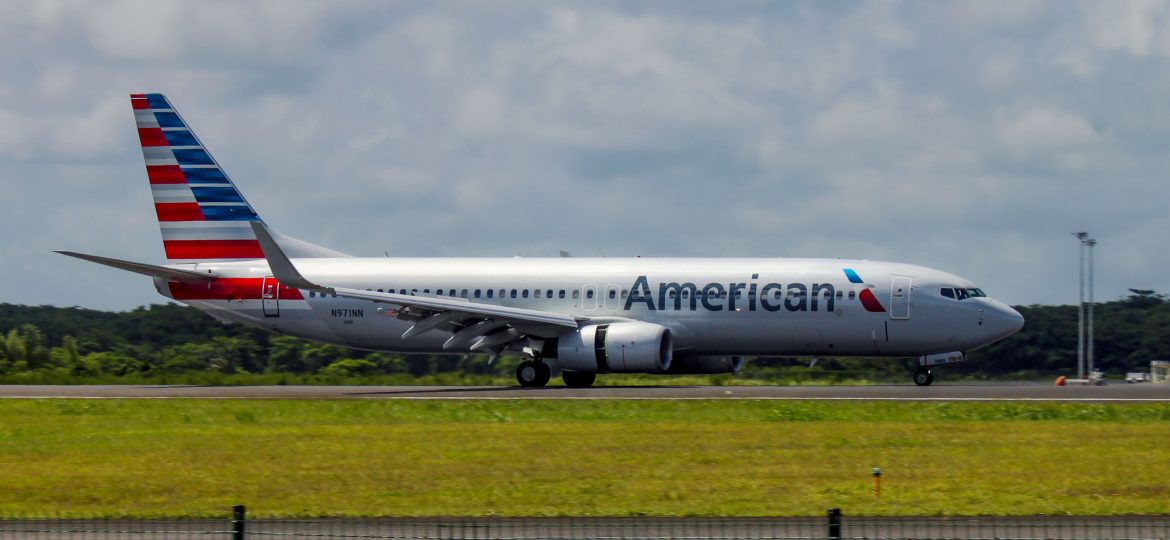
900	298
270	297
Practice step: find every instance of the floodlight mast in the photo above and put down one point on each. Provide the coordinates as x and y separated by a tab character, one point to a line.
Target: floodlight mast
1081	236
1090	243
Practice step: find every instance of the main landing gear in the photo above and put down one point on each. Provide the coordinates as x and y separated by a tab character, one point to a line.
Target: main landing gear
923	377
533	373
578	379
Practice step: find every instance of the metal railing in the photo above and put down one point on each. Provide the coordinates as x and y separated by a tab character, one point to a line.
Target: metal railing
834	526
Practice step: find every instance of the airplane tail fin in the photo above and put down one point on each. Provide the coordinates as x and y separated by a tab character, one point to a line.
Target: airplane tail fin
200	212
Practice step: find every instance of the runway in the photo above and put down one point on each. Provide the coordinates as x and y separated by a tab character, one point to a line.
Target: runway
959	392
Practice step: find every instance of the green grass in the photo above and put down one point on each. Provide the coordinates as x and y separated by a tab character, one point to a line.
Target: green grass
149	458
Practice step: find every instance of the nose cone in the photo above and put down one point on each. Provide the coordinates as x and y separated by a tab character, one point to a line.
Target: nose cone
1001	320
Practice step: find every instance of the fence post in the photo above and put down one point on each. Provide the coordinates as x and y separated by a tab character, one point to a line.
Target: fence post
238	522
835	523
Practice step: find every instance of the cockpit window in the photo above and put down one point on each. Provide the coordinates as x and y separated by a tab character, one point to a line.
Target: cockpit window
962	294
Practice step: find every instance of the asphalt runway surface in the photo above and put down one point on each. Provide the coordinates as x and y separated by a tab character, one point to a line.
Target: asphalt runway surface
1142	392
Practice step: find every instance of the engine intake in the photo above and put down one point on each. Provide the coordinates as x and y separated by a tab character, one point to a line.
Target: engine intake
625	347
703	365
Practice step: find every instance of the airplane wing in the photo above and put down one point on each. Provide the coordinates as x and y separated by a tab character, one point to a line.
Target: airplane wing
483	326
459	306
173	274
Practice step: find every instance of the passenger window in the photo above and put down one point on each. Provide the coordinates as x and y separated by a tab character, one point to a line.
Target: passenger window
452	292
840	294
589	294
477	293
576	294
852	295
463	293
490	291
561	294
501	293
513	293
312	294
625	293
548	294
612	294
439	292
402	291
536	293
524	293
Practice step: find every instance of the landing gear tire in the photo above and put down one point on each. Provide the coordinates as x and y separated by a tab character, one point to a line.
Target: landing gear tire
578	379
533	374
923	377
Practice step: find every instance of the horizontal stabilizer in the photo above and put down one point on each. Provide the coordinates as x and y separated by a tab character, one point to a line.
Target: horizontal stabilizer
172	274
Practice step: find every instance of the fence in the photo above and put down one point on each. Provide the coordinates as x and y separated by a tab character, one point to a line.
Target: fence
833	527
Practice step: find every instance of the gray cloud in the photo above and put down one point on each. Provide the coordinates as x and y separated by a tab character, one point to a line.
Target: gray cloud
967	136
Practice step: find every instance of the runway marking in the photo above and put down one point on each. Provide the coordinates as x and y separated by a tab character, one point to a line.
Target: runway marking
619	398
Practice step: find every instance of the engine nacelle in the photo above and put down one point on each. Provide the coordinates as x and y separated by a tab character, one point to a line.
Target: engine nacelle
703	365
624	347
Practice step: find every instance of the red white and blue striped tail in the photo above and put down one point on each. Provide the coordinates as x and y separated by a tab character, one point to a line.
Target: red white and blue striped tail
201	213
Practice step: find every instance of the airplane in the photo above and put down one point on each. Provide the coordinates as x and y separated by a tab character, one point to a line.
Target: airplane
586	315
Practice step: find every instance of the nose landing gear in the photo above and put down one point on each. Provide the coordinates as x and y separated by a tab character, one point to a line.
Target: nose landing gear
924	376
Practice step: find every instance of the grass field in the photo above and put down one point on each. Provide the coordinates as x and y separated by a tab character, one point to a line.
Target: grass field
605	457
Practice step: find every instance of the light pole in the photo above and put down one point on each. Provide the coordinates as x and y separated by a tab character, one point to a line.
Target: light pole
1081	236
1089	357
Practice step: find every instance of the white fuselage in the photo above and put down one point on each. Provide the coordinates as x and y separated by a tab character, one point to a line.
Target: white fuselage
711	306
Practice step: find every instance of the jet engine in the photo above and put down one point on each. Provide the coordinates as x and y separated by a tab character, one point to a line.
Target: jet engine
623	347
702	365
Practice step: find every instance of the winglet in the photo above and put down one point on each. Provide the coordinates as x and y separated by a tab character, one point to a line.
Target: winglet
282	268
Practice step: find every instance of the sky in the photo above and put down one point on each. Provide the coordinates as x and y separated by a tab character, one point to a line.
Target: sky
972	137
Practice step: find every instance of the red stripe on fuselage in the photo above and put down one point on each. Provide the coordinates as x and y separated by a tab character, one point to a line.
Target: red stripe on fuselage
870	302
152	137
233	289
165	174
178	211
213	249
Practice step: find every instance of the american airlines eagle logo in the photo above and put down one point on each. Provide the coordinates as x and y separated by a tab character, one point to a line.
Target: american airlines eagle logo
868	300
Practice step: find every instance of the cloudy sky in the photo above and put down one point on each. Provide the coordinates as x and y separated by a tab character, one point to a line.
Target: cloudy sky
969	137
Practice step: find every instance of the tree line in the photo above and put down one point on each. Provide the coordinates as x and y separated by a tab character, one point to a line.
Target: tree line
153	342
